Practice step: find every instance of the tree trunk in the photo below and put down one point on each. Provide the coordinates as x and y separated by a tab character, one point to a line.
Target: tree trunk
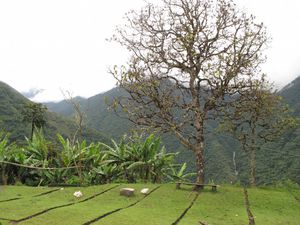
253	167
199	147
199	117
32	130
200	165
4	177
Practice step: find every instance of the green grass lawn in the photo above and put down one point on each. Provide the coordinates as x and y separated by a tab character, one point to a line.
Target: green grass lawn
163	206
277	205
227	204
29	205
85	211
9	192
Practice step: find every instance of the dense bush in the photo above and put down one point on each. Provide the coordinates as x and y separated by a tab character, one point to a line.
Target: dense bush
133	159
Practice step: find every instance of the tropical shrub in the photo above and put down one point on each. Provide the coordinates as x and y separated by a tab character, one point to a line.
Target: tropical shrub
5	155
131	160
140	159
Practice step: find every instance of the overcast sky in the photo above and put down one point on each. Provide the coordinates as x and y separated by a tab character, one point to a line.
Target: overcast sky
60	44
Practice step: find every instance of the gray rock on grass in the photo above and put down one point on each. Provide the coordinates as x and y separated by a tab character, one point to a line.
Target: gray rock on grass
127	192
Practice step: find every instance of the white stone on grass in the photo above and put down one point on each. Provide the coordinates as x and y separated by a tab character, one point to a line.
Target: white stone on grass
145	191
78	194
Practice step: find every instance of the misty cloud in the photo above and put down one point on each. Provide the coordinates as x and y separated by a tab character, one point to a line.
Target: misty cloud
32	92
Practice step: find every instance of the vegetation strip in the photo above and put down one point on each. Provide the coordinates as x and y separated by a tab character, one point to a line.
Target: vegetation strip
46	193
187	209
5	219
65	205
247	204
93	196
119	209
8	200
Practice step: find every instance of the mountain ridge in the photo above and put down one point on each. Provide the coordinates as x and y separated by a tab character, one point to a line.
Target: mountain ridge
219	148
11	106
275	161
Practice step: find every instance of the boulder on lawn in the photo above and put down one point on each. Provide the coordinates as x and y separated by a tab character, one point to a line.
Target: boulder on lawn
127	192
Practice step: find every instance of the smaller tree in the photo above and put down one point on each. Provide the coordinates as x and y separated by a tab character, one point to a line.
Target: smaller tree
34	113
77	137
78	115
259	116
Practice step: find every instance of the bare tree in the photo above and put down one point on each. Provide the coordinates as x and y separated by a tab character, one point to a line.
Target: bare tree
188	58
78	118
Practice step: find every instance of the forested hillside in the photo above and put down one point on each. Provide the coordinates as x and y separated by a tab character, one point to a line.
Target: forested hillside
276	161
98	116
12	105
279	160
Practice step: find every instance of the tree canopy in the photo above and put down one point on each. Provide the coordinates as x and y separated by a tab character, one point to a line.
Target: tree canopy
188	59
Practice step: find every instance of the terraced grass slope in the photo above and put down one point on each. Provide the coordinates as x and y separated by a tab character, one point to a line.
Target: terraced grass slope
163	205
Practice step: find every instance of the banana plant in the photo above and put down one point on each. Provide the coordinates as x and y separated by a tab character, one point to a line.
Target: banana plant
119	155
37	154
5	155
151	162
37	150
179	174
